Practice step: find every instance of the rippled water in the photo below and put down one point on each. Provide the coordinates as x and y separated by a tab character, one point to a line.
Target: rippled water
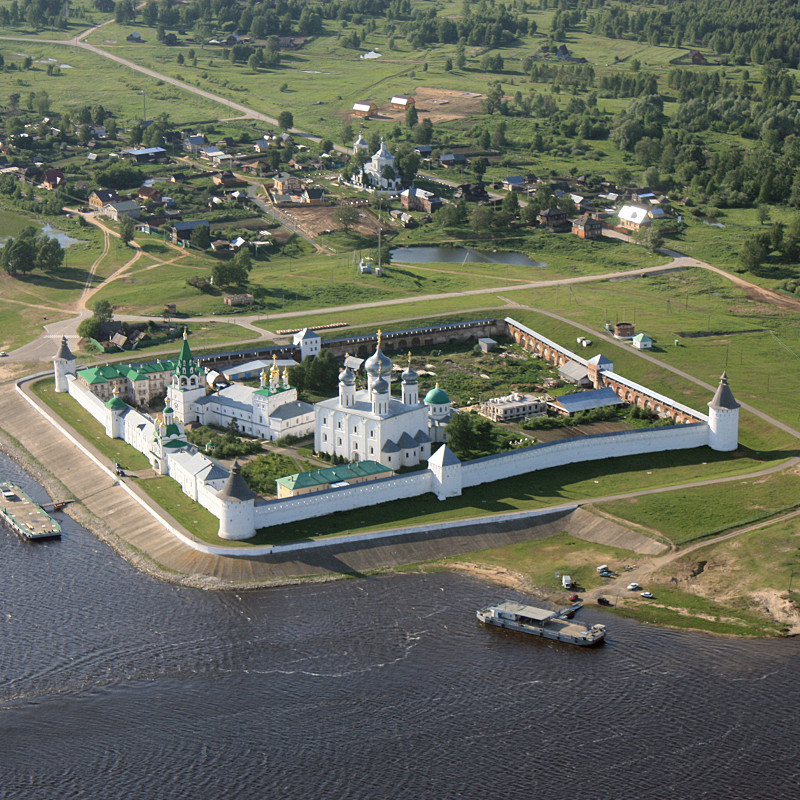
114	685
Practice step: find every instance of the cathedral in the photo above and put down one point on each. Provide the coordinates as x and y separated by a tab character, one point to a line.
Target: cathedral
373	424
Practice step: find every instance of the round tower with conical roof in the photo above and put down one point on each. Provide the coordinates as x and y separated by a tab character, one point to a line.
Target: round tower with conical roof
723	418
237	519
63	366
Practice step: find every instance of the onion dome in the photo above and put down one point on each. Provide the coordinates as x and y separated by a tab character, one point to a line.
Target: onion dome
346	377
409	375
380	386
436	397
378	363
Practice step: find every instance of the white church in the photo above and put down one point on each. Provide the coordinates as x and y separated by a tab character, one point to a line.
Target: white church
373	424
373	175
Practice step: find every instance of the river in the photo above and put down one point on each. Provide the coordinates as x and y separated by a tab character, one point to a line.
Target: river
116	685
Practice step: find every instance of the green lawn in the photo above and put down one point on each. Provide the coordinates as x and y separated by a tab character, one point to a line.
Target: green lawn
167	494
689	514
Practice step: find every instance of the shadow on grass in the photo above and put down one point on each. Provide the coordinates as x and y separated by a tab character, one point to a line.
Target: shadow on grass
65	278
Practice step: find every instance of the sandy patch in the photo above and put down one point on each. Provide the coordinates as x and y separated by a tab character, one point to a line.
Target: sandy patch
782	609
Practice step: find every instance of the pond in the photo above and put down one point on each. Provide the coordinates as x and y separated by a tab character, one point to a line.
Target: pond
62	238
459	255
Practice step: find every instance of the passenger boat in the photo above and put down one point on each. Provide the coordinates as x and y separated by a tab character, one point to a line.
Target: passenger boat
542	622
24	516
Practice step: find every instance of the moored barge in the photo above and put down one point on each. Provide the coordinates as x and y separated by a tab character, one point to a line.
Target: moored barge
542	622
24	516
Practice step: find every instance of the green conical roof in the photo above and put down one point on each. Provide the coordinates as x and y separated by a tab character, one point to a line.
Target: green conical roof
186	363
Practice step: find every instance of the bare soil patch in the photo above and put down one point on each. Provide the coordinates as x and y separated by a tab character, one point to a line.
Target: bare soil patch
315	220
439	105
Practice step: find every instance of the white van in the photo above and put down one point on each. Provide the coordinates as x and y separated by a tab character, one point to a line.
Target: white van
566	581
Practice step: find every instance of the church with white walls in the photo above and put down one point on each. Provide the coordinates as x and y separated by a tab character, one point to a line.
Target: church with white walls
374	174
372	423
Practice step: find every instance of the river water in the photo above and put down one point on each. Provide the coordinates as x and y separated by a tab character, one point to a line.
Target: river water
116	685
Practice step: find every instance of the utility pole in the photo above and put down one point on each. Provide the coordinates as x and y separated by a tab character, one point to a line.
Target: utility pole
144	105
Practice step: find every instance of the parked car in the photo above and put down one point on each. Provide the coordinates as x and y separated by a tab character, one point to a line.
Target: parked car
648	595
633	587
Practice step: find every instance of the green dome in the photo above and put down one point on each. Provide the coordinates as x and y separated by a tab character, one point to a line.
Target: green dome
436	397
117	402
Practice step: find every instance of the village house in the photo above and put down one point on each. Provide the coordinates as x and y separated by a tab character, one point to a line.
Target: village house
415	199
552	218
450	160
642	342
284	183
634	218
193	143
149	193
134	36
227	179
515	183
587	227
142	155
401	102
182	231
365	109
122	208
313	195
53	178
473	192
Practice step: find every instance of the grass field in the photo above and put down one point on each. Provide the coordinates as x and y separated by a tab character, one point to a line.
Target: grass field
690	514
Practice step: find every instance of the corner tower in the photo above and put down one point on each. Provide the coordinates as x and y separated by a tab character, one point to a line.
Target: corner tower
187	384
63	366
723	418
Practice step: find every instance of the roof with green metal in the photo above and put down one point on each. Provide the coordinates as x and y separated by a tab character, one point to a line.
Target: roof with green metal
343	472
117	403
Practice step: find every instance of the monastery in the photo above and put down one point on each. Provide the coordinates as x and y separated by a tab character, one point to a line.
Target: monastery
369	425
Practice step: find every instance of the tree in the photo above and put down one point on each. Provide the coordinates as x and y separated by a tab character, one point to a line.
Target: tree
18	255
253	62
200	237
752	254
481	219
285	120
412	117
347	216
650	237
126	230
49	254
763	214
510	204
103	311
469	435
89	329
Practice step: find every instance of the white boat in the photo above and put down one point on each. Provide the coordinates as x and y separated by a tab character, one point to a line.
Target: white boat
541	622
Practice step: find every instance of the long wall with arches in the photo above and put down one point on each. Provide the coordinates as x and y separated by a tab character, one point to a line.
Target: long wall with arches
627	390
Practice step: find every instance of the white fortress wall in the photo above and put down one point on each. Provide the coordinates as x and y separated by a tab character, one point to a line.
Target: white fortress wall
583	448
346	498
86	400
